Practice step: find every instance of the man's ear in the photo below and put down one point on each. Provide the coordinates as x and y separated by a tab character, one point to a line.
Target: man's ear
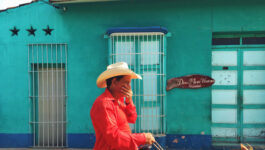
113	82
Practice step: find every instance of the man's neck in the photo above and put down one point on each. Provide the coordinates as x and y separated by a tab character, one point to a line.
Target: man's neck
113	94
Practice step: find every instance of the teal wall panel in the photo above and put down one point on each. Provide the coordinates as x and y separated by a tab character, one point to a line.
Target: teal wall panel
83	26
238	16
14	90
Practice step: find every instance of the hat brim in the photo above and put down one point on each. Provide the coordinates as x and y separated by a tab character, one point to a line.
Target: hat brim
101	81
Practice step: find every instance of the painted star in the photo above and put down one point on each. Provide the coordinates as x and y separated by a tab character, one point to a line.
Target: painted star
31	31
47	31
14	31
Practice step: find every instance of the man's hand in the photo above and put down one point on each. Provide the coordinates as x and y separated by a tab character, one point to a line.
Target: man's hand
149	138
127	92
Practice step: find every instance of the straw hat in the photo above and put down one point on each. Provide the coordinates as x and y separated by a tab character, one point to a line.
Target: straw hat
117	69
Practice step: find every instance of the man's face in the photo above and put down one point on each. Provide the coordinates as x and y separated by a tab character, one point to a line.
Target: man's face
118	84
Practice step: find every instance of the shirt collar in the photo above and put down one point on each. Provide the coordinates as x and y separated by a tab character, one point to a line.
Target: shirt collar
108	96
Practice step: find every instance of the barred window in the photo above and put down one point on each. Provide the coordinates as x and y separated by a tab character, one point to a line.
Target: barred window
144	53
47	66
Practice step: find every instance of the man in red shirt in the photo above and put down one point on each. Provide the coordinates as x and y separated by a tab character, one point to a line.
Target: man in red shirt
110	114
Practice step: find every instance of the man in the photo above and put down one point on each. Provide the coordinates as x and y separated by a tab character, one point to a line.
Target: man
110	114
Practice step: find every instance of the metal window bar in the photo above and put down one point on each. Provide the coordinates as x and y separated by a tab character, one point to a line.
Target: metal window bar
47	67
144	53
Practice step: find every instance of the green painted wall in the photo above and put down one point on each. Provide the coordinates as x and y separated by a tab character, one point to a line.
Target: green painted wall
82	26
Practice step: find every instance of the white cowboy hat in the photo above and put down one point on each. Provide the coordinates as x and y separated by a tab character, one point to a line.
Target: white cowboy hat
117	69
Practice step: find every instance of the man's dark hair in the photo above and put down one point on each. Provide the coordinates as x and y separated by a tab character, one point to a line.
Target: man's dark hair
108	81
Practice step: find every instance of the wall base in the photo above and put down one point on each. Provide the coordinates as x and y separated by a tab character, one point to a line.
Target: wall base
170	141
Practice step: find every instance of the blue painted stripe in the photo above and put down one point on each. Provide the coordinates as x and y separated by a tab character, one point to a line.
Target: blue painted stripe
15	140
88	140
81	140
193	142
137	29
170	141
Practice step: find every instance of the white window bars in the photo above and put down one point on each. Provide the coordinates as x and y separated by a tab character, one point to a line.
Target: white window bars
144	53
47	67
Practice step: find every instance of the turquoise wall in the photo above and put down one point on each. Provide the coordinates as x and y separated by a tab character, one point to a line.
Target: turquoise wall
83	26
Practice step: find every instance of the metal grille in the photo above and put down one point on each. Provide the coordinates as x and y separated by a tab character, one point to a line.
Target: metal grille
47	67
144	53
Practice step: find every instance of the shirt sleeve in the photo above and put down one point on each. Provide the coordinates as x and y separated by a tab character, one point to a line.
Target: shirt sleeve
130	111
106	122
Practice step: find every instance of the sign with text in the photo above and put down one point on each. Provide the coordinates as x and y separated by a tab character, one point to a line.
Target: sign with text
190	82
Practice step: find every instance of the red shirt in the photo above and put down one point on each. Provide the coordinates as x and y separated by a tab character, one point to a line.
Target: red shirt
110	120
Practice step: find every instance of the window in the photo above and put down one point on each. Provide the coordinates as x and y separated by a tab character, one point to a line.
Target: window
238	67
225	41
47	64
238	40
144	53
